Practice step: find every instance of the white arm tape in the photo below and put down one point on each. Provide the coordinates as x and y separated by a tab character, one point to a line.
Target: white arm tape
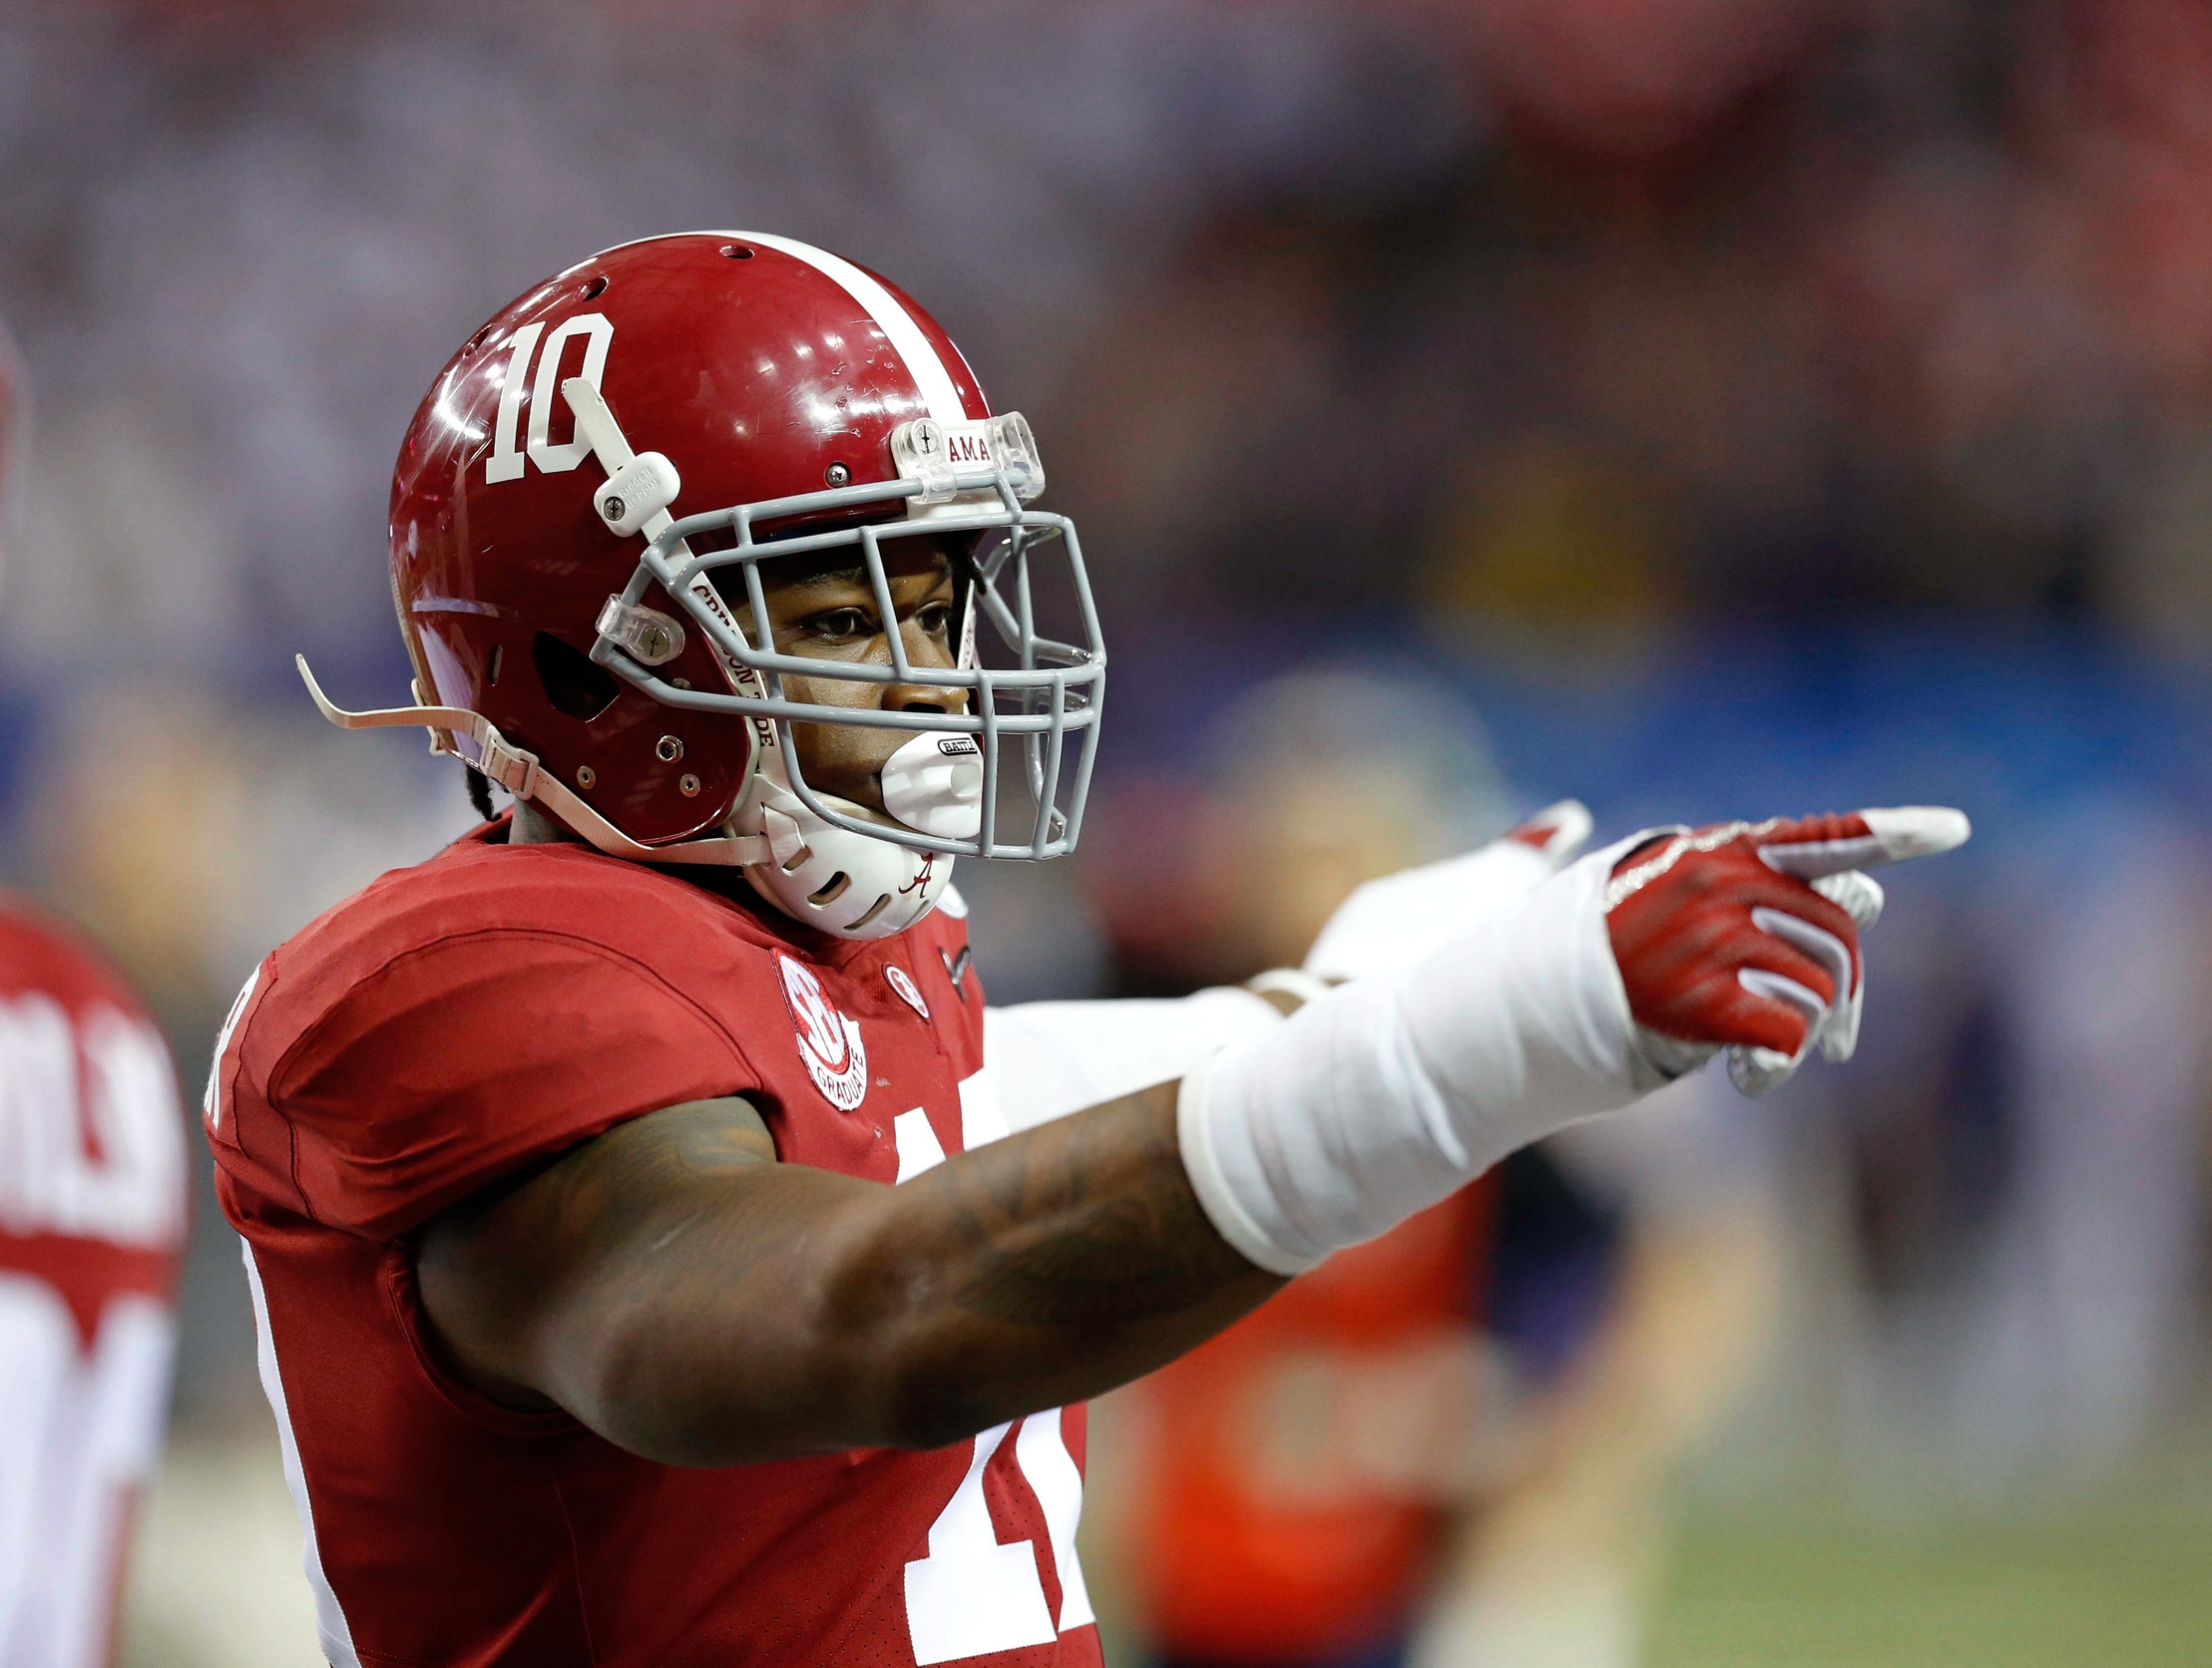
1390	1092
1050	1059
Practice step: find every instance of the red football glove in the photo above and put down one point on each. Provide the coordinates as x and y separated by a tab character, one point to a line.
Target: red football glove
1745	936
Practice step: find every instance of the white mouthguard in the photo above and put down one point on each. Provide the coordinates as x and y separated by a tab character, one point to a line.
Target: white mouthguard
934	785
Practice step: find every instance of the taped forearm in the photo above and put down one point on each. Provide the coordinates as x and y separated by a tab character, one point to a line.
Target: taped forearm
1382	1097
1052	1059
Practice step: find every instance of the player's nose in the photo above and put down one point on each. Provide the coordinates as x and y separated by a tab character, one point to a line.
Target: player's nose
926	652
920	698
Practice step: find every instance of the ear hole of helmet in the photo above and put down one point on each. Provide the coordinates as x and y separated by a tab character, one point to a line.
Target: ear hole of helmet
574	684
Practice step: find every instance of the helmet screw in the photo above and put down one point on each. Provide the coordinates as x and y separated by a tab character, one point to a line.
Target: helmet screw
836	474
612	506
669	748
654	640
687	785
586	775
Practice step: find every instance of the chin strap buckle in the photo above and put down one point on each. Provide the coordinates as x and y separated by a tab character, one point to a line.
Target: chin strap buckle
508	765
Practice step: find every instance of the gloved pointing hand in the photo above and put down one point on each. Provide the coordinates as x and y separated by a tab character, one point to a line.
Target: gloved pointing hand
1594	987
1745	936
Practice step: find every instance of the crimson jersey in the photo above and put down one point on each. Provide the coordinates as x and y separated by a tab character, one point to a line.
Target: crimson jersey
484	1010
92	1226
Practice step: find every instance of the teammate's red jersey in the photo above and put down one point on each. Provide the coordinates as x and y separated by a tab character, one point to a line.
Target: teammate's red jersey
488	1008
92	1224
1286	1503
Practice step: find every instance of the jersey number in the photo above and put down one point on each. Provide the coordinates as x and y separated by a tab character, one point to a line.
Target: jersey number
76	1433
973	1594
506	461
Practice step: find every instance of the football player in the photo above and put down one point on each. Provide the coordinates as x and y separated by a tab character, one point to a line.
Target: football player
92	1229
596	1329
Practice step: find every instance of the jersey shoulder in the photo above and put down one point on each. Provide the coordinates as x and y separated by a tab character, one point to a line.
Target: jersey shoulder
532	909
481	885
471	1014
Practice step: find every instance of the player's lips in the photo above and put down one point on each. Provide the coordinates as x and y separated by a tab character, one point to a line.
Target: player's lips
850	768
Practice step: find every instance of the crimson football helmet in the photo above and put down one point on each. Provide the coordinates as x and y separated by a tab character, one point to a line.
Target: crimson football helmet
600	648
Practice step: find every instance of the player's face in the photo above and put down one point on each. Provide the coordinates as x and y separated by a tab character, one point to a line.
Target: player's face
830	612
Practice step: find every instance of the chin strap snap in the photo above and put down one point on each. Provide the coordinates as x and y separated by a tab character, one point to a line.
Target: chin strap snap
519	772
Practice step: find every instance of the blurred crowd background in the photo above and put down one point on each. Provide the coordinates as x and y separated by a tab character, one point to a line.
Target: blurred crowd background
1701	407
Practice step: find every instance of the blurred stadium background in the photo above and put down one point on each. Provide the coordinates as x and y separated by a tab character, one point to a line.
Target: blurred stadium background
1702	407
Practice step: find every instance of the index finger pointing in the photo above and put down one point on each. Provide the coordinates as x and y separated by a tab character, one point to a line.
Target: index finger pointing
1816	846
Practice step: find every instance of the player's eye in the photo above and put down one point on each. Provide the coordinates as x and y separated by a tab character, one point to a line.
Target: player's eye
935	617
842	623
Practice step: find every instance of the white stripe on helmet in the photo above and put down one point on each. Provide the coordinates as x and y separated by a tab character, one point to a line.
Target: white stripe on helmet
923	362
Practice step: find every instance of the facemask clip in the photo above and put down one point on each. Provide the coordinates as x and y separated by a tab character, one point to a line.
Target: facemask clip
647	636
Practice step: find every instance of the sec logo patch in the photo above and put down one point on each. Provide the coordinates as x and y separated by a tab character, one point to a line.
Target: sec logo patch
829	1043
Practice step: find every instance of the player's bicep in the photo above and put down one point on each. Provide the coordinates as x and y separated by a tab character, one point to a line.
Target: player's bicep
519	1274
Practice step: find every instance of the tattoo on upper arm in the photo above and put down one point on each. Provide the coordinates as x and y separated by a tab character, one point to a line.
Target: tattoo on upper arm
663	1152
488	1263
1079	1246
698	1137
567	1202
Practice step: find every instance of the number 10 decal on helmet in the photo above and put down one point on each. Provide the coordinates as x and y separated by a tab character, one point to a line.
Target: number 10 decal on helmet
599	493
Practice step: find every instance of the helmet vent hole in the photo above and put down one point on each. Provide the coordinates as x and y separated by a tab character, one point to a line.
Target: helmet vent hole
833	892
595	288
498	656
874	910
573	684
736	252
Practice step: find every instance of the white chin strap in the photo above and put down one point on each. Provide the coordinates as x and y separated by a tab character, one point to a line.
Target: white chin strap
520	774
855	886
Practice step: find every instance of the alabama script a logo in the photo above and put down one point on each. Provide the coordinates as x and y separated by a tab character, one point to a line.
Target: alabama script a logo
829	1043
